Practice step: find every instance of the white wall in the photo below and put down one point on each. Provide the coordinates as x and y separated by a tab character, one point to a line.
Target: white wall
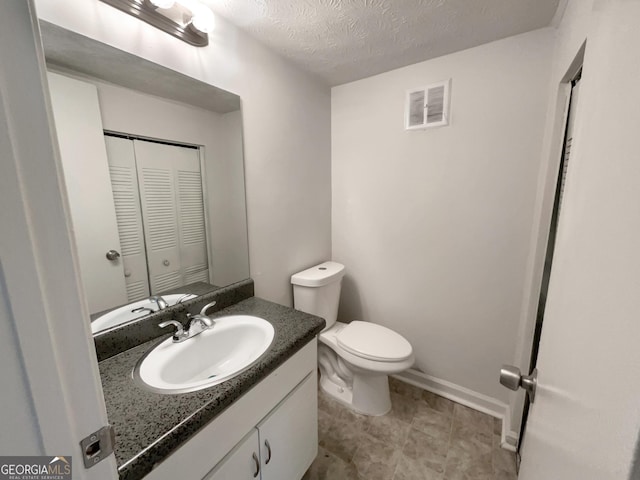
434	226
286	116
227	205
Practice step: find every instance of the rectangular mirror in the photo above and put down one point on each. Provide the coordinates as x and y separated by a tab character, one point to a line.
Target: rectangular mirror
154	172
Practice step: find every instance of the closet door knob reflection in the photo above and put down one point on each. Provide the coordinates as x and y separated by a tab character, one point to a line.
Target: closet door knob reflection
166	263
112	255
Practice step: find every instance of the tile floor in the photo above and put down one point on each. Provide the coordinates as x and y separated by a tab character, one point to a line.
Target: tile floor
424	437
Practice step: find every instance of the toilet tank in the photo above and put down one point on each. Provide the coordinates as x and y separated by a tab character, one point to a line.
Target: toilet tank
316	290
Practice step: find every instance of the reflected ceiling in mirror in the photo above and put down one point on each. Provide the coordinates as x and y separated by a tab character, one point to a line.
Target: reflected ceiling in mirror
153	164
87	56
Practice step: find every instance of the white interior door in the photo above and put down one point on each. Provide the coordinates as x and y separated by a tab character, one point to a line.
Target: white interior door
585	422
126	198
84	160
173	214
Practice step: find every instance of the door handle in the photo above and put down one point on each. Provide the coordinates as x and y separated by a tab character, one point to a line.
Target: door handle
257	464
512	378
112	255
266	444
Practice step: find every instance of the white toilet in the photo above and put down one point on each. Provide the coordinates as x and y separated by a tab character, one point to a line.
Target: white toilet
355	358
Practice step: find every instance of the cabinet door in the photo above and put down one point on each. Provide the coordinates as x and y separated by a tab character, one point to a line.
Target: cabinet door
289	434
241	463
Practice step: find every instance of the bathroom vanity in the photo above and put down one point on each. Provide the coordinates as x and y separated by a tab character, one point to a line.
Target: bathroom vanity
269	433
260	424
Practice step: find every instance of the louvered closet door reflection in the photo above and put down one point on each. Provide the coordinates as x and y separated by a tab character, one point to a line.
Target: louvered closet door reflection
172	202
126	197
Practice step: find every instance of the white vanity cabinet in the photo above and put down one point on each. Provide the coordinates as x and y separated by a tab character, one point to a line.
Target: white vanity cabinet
281	446
289	434
241	463
276	420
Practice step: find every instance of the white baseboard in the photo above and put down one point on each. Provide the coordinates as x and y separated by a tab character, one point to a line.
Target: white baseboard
468	398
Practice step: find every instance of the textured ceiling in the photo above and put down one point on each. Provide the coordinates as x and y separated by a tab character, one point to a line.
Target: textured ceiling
347	40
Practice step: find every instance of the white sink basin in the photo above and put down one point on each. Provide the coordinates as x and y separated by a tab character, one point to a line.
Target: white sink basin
231	346
126	313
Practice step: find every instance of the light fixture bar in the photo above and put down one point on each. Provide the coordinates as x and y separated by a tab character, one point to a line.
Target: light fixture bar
146	11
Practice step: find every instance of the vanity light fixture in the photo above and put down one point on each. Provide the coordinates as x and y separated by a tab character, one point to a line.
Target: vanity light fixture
162	3
188	20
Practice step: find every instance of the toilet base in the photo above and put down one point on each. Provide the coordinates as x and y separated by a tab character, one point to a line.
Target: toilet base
369	394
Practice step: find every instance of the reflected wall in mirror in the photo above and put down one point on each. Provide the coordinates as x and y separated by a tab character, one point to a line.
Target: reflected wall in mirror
153	166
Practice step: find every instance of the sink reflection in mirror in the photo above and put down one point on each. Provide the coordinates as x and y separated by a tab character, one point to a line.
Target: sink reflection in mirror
153	166
219	353
134	310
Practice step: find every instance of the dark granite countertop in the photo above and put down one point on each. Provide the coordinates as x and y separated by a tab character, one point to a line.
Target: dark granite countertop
149	426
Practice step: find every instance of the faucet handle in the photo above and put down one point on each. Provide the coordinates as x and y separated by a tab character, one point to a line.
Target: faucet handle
204	321
203	312
179	333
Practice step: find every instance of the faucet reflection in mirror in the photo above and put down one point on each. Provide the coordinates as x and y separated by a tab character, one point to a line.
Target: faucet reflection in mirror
152	172
126	313
162	304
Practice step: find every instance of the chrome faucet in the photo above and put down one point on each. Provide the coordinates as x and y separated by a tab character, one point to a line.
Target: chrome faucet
161	302
180	335
195	326
198	324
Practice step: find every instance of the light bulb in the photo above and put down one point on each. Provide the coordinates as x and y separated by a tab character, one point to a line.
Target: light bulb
163	3
202	19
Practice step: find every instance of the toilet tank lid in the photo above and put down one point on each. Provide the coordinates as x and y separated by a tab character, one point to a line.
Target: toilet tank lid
319	275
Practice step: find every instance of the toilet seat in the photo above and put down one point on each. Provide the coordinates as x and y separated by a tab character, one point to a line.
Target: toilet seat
374	342
358	360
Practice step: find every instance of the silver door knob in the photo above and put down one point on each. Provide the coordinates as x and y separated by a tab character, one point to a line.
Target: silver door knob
512	378
112	255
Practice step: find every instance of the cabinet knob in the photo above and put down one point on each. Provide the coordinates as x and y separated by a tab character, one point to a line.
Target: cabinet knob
266	444
257	464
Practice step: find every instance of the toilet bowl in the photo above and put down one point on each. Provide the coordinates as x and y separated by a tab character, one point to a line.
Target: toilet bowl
354	358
